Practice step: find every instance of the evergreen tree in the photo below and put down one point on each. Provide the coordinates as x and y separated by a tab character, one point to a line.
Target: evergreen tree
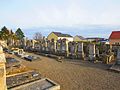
1	35
4	33
19	34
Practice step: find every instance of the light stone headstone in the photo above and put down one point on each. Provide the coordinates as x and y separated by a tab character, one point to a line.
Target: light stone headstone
67	50
33	43
80	47
63	46
55	42
80	51
92	52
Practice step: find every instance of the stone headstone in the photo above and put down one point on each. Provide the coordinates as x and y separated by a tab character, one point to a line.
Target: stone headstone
92	52
80	47
118	56
80	51
63	46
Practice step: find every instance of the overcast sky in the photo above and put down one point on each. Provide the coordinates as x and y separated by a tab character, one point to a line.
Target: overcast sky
32	14
35	13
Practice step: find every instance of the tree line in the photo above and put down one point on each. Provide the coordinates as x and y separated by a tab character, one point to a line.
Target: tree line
10	36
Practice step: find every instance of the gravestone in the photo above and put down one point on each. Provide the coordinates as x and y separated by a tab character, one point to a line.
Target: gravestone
24	42
48	46
53	46
63	46
2	70
80	52
118	57
58	45
72	49
33	44
92	53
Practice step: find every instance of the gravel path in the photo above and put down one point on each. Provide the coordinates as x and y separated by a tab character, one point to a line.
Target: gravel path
74	75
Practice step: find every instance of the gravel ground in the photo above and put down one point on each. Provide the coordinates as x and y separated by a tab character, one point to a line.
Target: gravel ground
77	75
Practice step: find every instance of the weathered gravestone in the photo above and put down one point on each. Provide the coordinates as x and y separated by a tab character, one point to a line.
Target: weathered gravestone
48	46
116	66
58	45
92	53
72	49
80	52
64	46
118	57
53	46
108	55
2	70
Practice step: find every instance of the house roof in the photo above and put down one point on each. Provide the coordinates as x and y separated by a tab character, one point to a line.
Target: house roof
95	38
59	34
81	37
115	35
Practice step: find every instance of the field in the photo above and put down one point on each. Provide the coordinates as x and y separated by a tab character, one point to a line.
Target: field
77	75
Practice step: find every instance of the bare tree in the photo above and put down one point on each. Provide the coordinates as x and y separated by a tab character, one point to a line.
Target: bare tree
38	36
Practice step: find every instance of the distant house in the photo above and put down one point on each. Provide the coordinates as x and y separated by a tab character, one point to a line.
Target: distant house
57	35
79	38
106	41
96	39
114	37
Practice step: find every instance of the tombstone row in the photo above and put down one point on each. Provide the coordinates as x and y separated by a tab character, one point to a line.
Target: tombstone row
79	50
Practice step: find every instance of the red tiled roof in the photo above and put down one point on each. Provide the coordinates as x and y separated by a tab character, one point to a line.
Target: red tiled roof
115	35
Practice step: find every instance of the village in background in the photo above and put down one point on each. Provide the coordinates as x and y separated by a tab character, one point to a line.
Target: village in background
63	48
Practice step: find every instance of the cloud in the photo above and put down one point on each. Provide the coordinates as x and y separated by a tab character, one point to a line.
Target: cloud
35	13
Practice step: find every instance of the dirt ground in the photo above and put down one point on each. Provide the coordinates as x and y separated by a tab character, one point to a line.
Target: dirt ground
76	75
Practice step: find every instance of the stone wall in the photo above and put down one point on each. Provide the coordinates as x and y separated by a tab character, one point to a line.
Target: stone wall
2	70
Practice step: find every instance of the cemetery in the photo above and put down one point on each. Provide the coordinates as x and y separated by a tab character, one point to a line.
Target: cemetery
17	76
90	51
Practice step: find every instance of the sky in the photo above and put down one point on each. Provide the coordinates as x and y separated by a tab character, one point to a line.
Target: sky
28	14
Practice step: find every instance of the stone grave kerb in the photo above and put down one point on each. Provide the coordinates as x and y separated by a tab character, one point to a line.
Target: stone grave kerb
2	70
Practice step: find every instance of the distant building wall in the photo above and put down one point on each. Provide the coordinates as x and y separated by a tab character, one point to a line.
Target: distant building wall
114	41
68	38
55	37
76	39
52	36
